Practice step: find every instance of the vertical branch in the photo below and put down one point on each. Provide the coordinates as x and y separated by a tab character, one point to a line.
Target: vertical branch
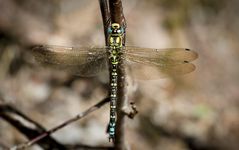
117	16
116	12
121	101
104	8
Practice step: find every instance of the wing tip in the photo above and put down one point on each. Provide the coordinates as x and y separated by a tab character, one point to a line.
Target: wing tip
193	53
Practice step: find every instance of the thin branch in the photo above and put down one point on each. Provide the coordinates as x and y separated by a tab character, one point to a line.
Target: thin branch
47	133
28	127
105	18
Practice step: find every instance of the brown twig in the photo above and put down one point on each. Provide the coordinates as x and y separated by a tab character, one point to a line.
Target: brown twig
47	133
28	127
131	113
116	12
104	8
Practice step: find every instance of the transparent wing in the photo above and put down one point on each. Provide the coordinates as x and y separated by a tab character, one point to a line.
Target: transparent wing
79	61
147	63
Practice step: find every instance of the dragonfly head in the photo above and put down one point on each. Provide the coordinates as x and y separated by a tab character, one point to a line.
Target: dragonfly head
115	29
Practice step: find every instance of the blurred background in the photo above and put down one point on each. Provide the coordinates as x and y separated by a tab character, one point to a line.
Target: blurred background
195	111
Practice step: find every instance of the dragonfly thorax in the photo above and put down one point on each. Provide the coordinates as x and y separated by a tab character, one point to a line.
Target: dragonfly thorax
115	36
115	42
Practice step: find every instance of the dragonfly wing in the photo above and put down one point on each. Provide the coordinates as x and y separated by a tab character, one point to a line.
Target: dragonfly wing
155	63
78	61
162	56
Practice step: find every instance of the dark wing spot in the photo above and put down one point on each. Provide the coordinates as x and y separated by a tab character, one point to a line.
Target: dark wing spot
185	61
187	49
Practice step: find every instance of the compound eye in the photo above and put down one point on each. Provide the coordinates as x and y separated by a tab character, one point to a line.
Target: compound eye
122	30
109	30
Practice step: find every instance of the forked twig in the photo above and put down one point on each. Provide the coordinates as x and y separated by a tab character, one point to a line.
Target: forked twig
27	126
47	133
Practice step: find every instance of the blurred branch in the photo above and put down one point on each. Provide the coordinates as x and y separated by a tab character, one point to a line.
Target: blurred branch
105	17
28	127
37	133
42	137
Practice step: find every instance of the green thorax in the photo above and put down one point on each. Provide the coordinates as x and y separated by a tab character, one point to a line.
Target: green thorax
115	42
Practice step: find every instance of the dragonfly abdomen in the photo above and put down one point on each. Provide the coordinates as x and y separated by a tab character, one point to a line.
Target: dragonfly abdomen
113	100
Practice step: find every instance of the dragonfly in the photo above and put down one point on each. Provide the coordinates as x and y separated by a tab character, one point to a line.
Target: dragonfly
144	63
